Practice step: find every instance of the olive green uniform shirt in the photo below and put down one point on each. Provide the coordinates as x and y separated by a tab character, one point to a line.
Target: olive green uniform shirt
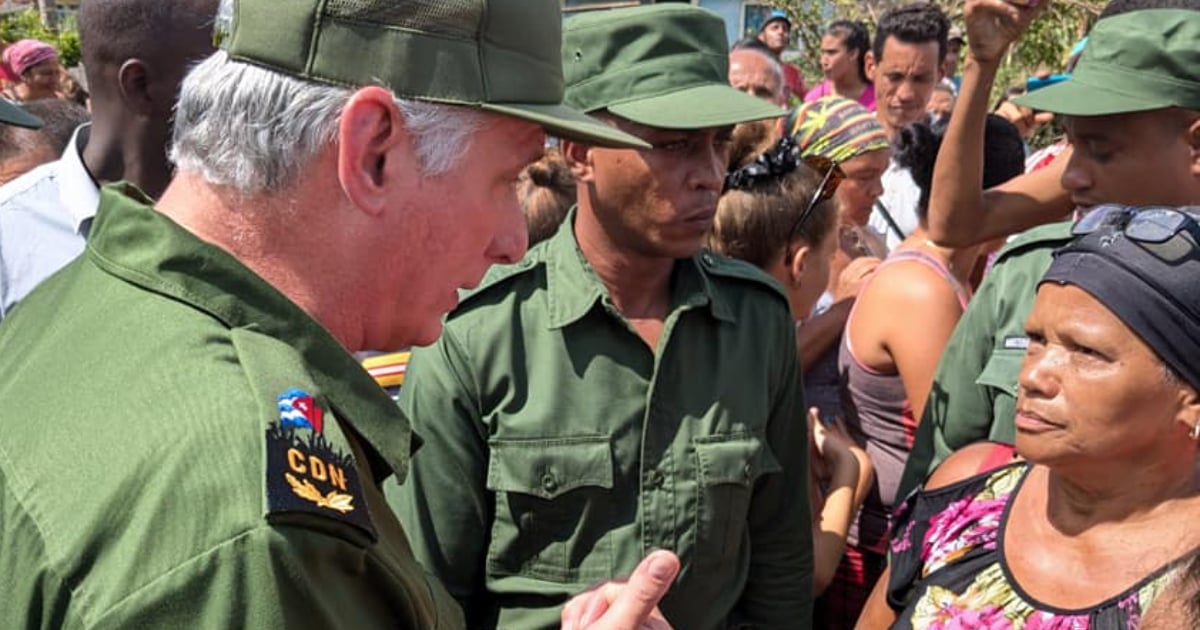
974	392
145	478
559	449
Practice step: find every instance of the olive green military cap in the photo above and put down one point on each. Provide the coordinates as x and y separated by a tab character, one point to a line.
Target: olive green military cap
664	66
502	56
1133	62
13	114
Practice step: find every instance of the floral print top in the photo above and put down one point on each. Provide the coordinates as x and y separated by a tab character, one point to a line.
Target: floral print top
948	569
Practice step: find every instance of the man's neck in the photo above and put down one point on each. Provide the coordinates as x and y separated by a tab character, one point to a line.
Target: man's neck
110	157
639	285
275	256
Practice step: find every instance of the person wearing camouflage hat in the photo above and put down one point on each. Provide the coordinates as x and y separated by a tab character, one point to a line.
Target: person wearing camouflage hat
620	388
186	440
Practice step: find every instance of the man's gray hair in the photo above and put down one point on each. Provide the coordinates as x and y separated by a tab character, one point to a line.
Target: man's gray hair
254	130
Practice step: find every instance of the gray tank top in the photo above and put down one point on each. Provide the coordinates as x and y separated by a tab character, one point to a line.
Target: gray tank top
880	417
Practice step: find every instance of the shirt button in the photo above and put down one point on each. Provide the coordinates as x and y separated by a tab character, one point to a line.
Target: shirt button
749	470
549	483
707	258
656	479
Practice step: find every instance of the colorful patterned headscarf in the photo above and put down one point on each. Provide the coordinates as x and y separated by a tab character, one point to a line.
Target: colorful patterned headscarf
836	128
27	53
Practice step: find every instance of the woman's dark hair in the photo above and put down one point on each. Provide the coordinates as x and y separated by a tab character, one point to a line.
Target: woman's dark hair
854	36
754	223
917	146
546	190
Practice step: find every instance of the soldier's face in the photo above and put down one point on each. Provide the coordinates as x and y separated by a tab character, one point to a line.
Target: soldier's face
1115	157
660	202
459	224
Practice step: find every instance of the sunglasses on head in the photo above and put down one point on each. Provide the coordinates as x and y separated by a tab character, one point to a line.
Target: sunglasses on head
778	162
1153	224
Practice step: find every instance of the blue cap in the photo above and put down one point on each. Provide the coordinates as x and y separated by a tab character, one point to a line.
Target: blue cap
777	14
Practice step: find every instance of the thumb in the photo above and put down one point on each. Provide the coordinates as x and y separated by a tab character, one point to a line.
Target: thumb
646	586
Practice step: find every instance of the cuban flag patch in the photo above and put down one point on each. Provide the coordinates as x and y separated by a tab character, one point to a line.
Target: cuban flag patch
298	410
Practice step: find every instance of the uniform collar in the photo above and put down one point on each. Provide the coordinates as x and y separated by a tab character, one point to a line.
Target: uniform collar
145	248
573	288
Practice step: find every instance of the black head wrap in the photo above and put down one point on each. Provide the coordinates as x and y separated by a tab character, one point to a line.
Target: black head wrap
1153	287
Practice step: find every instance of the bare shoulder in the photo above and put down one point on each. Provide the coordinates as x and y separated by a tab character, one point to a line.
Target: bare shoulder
964	463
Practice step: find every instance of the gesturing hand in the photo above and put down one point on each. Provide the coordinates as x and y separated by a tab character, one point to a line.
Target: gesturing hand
992	25
631	604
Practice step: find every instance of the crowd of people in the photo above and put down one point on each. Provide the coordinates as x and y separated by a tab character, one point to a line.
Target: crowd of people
460	315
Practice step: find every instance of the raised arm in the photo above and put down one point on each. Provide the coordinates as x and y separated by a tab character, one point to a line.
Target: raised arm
961	213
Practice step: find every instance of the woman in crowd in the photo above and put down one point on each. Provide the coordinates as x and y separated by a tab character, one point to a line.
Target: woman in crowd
894	337
843	62
776	214
843	132
1100	519
35	64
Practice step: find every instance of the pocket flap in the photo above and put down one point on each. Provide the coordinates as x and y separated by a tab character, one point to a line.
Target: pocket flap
736	459
1002	370
549	467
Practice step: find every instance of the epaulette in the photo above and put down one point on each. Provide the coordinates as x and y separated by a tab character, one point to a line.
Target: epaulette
498	277
719	265
1053	234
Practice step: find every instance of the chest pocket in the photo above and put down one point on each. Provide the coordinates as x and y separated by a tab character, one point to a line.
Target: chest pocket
1001	371
727	467
550	508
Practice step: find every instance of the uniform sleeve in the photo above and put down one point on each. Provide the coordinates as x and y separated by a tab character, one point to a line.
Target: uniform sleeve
959	409
443	504
280	577
779	590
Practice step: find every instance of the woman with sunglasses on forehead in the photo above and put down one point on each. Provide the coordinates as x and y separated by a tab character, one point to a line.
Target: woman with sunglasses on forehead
1100	520
898	327
776	213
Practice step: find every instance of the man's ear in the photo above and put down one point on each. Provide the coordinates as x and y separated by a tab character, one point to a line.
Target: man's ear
374	149
133	79
1193	138
869	64
579	158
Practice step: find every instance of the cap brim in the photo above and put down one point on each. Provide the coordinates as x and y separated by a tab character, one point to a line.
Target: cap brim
16	115
1077	98
697	108
563	122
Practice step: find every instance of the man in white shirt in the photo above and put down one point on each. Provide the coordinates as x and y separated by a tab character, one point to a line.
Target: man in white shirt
135	53
905	65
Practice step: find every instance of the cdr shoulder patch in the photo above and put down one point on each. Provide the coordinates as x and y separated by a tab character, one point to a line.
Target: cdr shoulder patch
307	471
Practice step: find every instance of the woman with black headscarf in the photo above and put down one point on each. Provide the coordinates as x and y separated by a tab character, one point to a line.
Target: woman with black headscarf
1101	517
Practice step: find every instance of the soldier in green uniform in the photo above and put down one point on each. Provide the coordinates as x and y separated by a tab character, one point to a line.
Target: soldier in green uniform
185	441
621	389
1132	112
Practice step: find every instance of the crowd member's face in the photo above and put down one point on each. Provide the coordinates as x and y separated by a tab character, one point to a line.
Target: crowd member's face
44	78
456	226
1139	159
837	62
659	202
752	73
1090	390
904	80
953	50
941	103
862	186
775	35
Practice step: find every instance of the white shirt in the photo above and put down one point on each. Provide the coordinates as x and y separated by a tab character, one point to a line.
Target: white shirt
900	197
44	218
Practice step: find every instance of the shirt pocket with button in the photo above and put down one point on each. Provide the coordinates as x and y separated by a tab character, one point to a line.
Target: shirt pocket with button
727	467
1001	371
550	498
